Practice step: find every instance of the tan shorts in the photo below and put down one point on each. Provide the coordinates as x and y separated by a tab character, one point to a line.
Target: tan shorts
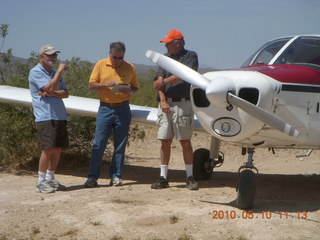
178	123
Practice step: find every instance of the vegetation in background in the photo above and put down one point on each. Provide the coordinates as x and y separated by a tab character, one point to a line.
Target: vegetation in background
146	96
18	138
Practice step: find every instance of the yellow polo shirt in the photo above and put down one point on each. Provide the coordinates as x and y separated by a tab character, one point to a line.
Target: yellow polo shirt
104	72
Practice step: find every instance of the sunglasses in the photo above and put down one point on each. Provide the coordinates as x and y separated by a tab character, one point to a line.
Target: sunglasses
119	58
51	55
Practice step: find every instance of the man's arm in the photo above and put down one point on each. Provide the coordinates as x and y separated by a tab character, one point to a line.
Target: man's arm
164	81
63	93
163	99
98	86
54	82
165	107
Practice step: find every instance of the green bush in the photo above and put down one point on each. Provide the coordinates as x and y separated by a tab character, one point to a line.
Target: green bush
18	138
146	96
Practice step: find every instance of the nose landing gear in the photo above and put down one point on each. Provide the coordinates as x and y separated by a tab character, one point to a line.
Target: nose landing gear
247	183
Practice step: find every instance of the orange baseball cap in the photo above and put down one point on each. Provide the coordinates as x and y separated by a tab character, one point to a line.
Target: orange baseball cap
172	35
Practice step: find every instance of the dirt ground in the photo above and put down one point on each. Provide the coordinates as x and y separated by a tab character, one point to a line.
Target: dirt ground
287	202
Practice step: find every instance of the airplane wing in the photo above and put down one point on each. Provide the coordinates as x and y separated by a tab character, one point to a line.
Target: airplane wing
80	105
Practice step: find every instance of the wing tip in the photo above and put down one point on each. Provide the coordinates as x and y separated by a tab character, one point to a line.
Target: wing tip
148	53
153	56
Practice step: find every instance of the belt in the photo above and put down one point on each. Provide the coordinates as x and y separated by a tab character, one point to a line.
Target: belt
177	99
114	104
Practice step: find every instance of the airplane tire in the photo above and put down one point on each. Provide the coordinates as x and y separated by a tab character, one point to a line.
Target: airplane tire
246	189
202	169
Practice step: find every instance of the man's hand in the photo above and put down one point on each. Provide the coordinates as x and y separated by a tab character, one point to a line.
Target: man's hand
99	86
157	84
165	107
45	93
62	67
110	84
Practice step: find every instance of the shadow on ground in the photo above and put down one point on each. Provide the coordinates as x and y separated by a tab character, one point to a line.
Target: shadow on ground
274	192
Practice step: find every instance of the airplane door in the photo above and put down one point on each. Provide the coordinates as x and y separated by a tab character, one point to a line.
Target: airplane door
314	122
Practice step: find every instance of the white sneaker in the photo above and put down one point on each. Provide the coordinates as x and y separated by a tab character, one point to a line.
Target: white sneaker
56	185
44	187
116	182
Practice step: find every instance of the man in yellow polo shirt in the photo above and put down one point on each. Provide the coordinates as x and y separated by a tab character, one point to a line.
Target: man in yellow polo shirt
116	81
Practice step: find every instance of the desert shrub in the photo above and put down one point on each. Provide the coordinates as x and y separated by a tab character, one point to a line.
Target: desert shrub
81	132
146	96
18	138
77	76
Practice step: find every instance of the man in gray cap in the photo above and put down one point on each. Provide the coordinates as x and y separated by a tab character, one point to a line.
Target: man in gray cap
47	90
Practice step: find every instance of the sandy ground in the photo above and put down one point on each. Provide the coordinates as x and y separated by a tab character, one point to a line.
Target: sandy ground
287	203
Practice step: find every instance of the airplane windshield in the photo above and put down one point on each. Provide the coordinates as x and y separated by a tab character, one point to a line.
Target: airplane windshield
304	50
266	52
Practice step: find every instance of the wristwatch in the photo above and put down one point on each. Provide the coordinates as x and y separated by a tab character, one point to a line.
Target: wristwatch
163	82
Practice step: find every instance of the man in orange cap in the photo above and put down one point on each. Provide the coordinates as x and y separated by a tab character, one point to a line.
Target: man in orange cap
175	116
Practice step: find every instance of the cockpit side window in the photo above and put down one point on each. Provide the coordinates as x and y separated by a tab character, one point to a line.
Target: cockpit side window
269	52
304	50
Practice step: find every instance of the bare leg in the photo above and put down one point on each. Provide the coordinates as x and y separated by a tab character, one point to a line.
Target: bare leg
165	151
187	151
49	159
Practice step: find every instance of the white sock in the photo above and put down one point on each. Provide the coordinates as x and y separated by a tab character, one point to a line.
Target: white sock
164	171
50	175
189	169
41	177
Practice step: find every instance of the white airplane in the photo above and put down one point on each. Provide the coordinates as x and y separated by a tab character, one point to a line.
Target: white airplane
272	101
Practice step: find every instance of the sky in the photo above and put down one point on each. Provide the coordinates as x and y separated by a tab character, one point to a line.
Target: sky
224	33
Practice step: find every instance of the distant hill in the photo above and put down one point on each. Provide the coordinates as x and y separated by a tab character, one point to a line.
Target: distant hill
15	59
143	71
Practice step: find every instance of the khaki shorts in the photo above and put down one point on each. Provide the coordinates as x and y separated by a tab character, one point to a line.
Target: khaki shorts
178	123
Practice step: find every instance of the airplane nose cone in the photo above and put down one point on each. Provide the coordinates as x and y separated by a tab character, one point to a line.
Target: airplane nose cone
217	91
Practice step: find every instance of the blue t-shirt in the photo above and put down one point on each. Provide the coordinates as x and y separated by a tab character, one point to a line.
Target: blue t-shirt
45	108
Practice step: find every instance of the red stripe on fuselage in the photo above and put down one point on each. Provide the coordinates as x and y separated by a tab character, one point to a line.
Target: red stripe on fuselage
287	73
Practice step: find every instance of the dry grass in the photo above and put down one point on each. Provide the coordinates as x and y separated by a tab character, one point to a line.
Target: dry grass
174	219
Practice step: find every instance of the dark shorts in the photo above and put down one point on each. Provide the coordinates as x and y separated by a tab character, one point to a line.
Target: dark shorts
53	134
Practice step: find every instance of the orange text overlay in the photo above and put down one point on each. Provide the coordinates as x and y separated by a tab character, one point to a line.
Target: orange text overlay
221	214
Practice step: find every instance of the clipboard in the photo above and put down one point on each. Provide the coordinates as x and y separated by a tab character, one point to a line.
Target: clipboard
118	86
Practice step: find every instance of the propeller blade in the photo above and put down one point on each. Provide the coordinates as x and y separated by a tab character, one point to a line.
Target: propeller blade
180	70
263	115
